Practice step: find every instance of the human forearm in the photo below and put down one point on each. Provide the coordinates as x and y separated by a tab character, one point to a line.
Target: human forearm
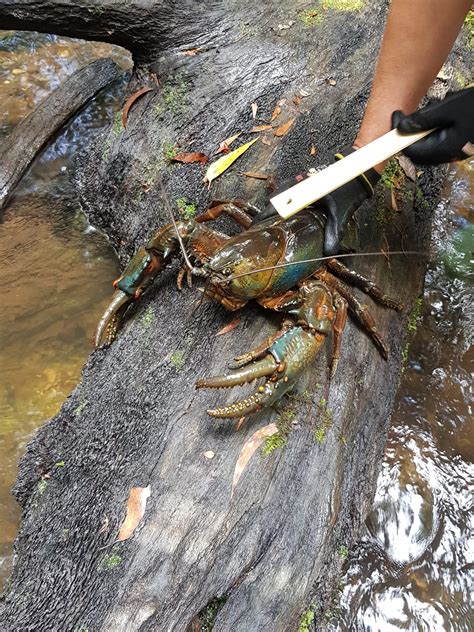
418	37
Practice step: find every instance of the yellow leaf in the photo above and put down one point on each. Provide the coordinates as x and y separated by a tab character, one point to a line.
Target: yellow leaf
222	164
136	505
249	448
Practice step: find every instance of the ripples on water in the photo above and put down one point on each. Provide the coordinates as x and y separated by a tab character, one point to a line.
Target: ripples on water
413	568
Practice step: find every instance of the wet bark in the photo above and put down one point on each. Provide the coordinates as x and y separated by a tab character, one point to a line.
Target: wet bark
38	129
135	419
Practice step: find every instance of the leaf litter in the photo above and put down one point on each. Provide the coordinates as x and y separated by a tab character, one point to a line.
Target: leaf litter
136	506
219	166
249	449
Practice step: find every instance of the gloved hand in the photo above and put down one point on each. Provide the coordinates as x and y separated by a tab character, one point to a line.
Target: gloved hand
339	206
454	138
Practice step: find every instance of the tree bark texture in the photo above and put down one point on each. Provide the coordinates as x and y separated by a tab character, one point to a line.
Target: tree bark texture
135	419
31	136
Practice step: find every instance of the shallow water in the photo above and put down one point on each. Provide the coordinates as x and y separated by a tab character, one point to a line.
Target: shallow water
55	269
412	569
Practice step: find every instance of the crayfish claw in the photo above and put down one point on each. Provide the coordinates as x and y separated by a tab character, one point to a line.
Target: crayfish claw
111	318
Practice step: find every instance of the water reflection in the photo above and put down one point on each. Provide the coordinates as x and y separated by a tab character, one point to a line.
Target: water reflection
413	570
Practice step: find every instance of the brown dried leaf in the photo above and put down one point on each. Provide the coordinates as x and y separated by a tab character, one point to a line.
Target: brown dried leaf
393	200
283	129
260	128
331	81
297	100
254	110
276	112
313	151
407	166
131	100
224	147
249	449
194	156
266	141
191	52
258	175
136	506
229	327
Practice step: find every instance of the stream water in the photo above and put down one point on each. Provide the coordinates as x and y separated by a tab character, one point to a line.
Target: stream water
413	569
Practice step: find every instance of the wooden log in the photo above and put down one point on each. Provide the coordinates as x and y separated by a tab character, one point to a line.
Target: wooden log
271	548
32	135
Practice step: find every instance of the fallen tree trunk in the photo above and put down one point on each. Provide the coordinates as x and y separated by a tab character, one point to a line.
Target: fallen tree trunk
28	138
271	548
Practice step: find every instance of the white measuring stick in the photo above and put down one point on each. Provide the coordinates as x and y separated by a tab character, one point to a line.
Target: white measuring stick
342	171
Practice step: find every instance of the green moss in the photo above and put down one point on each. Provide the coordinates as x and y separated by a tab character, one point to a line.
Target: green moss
343	5
117	125
174	93
469	25
59	464
42	486
97	10
415	315
320	434
405	355
168	150
307	618
177	359
343	552
311	16
186	211
148	316
106	148
80	408
272	443
326	423
392	176
110	562
208	615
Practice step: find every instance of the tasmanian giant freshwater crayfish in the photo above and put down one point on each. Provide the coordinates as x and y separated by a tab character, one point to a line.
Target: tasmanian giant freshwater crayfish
273	262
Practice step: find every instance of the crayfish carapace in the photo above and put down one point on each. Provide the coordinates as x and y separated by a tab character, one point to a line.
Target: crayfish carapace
273	263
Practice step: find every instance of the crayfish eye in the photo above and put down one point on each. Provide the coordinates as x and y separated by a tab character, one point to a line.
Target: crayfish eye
227	271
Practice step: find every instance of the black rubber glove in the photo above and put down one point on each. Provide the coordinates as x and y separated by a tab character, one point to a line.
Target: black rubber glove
454	138
339	206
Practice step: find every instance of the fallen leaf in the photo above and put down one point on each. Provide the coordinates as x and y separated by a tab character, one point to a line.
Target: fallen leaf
266	141
407	166
224	147
313	151
276	112
249	449
131	100
283	129
194	156
222	164
209	454
297	100
254	110
229	327
304	93
191	52
258	175
136	506
394	200
260	128
239	424
331	81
